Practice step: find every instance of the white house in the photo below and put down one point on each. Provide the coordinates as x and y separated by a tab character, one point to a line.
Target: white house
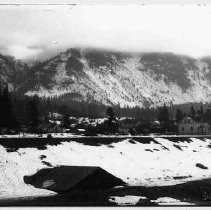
190	126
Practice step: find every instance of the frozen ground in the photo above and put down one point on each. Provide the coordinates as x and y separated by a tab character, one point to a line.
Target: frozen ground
138	162
30	135
166	201
131	200
128	200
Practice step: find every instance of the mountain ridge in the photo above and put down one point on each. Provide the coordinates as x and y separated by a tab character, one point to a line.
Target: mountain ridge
128	79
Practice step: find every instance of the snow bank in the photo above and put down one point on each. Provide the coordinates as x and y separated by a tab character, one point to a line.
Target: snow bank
31	135
170	201
127	200
154	164
12	170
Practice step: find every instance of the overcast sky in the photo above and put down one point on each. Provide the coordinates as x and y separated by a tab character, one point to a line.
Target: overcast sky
29	32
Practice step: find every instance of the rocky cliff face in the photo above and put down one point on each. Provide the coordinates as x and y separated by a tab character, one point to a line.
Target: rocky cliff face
12	72
110	78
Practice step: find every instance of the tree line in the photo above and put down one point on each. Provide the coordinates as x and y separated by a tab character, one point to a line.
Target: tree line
24	113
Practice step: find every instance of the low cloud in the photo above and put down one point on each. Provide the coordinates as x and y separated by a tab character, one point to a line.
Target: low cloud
23	52
29	32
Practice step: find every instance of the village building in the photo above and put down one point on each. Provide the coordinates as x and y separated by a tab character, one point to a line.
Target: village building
55	116
126	123
190	126
64	179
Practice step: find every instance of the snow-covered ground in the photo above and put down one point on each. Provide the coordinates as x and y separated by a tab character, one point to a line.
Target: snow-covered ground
127	200
138	164
32	135
171	201
131	200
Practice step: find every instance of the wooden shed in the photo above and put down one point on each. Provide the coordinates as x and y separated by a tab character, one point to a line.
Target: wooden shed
64	179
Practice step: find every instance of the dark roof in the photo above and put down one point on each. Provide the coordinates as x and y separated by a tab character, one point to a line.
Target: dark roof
65	178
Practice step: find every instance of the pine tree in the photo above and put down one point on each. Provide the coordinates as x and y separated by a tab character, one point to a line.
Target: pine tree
201	113
112	124
179	115
208	114
163	114
33	114
8	119
110	113
66	121
66	117
192	112
1	111
163	117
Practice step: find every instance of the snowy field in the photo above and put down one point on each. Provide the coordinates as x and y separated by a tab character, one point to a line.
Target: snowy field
147	161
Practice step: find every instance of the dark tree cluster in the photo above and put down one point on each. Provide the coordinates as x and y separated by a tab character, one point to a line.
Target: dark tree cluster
163	117
8	120
18	112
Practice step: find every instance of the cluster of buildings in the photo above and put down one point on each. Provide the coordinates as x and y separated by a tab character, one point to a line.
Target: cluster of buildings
187	126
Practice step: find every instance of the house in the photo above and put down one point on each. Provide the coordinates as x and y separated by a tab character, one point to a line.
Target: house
126	123
55	116
190	126
64	179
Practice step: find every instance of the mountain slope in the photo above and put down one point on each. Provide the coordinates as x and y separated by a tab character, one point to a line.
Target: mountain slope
146	80
128	79
13	72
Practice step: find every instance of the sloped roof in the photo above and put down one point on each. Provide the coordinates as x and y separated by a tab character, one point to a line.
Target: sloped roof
63	178
192	121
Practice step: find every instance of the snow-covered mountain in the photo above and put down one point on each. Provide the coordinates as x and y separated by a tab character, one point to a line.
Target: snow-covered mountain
147	79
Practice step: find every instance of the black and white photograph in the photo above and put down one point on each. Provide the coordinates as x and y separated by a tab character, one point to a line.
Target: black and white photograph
105	104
